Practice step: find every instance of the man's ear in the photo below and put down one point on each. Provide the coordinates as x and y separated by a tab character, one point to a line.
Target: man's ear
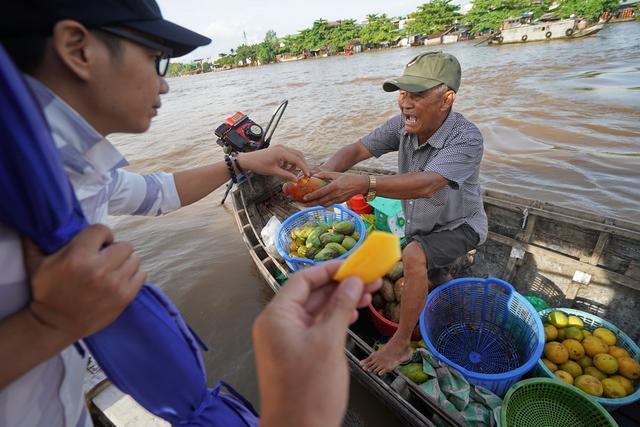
74	47
448	99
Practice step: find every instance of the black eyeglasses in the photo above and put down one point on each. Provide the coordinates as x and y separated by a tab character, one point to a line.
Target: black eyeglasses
162	60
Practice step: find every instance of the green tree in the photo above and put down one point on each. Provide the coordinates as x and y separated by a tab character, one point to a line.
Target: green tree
247	52
226	59
316	36
433	17
292	44
590	9
343	34
271	37
174	69
378	29
488	14
268	49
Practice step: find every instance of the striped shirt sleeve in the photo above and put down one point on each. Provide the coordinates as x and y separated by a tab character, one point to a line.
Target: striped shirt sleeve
135	194
458	160
385	139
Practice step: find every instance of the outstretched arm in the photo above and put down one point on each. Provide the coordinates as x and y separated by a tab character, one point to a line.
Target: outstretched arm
160	193
280	161
406	186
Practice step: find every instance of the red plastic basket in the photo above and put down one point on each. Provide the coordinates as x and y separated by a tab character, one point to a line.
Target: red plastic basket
386	327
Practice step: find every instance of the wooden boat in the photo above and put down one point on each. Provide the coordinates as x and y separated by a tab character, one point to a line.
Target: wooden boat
569	257
524	30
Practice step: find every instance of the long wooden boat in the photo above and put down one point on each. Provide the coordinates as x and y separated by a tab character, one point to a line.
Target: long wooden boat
569	257
524	30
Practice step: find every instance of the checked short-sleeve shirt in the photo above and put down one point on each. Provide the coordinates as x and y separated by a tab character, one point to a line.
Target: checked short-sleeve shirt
454	151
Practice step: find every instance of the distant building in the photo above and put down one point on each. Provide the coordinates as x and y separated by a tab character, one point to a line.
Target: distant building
402	22
627	10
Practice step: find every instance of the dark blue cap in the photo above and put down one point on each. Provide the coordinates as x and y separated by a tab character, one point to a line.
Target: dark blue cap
32	17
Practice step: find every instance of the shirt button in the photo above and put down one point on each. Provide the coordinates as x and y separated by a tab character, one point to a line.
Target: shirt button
410	203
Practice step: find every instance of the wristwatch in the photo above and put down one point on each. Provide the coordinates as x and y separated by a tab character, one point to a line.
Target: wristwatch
371	194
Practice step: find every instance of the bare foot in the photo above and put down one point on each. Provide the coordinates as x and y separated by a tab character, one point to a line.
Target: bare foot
388	357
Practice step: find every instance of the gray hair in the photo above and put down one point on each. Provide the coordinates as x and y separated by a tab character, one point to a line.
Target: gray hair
442	89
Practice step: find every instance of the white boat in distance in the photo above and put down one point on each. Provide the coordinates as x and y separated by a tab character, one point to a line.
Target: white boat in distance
523	29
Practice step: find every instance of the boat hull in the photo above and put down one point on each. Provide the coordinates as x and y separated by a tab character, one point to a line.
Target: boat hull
565	29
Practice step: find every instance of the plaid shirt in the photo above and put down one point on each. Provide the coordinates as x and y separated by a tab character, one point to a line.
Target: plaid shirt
454	151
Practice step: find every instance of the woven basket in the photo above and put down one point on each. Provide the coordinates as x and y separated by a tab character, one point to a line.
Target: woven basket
328	215
546	402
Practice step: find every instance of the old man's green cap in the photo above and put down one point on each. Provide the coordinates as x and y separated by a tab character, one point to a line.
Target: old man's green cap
426	71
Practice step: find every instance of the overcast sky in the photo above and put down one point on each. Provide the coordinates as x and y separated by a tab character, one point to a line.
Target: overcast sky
225	22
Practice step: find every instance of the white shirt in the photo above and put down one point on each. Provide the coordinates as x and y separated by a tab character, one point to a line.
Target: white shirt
51	393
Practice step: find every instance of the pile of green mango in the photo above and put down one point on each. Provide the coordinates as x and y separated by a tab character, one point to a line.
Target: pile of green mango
319	241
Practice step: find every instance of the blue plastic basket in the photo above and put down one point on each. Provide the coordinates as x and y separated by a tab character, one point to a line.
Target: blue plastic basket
484	329
592	322
332	214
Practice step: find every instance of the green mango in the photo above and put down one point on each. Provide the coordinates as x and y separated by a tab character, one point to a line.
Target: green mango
344	227
349	242
314	238
306	229
355	235
326	254
312	251
305	252
313	242
336	246
324	226
414	372
331	238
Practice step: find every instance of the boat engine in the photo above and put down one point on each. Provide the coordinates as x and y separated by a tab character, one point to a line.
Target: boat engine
240	134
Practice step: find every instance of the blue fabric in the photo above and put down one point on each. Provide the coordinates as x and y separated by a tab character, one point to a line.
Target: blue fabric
148	352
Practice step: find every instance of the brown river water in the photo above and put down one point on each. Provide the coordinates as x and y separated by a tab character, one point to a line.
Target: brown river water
561	123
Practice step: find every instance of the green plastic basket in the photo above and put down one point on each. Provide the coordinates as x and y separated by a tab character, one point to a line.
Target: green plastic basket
546	402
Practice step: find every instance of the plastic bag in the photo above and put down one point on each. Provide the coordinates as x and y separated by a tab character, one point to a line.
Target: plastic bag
269	234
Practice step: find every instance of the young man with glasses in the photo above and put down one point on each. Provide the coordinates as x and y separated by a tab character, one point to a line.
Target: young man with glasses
96	68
